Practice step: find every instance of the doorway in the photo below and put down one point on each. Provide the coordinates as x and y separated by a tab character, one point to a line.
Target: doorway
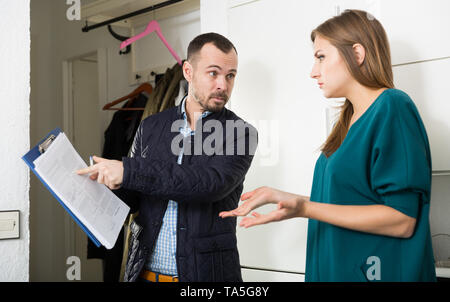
82	121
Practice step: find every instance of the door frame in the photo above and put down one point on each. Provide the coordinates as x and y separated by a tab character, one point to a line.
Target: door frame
68	118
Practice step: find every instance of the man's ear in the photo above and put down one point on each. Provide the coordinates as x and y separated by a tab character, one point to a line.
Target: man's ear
187	71
360	53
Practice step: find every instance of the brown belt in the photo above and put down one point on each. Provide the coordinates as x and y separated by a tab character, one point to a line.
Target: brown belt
157	277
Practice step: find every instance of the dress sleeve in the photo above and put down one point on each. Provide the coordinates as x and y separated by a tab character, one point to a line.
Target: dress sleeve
401	161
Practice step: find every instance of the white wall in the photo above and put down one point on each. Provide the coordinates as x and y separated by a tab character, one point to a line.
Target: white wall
14	132
214	16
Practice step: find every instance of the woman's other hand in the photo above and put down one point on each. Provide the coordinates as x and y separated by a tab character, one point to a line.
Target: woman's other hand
288	206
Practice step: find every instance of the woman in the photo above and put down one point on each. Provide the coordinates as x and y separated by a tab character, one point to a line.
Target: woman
370	199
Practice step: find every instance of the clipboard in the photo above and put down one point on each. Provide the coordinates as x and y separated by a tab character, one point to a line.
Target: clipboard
29	159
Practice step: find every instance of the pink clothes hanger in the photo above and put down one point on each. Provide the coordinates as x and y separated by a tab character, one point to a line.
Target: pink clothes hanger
151	27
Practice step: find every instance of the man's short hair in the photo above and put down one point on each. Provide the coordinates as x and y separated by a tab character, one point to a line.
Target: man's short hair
217	40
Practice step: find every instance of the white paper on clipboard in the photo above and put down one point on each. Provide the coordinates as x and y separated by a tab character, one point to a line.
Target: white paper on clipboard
99	209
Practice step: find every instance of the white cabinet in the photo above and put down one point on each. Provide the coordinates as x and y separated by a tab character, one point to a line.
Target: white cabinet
427	84
252	275
440	224
275	93
418	30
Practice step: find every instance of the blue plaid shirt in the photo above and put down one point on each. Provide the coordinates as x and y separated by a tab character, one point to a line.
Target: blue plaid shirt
163	259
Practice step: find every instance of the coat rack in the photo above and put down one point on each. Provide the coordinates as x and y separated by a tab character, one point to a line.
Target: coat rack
130	15
120	38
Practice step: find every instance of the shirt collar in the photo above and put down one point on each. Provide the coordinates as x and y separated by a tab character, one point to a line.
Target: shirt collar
183	110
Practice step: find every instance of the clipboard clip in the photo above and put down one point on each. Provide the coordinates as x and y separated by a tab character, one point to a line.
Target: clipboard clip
44	146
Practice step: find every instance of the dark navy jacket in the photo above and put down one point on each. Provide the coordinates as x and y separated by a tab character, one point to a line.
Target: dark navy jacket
205	184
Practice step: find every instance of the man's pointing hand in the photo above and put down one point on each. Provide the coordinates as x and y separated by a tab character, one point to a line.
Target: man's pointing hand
105	171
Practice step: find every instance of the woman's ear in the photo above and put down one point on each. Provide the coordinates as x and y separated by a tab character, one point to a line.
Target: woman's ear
360	53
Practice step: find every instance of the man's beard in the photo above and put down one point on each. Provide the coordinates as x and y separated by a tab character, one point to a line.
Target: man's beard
211	107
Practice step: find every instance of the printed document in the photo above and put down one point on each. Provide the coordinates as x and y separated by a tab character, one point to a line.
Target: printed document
101	212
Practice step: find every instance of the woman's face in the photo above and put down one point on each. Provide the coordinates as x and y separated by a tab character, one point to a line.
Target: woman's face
330	70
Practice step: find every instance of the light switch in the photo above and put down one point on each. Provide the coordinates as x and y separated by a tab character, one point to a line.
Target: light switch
9	224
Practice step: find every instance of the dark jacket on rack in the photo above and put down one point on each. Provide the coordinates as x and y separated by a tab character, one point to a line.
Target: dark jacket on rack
118	140
203	185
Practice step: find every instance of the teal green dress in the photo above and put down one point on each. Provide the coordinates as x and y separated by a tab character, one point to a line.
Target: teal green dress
384	159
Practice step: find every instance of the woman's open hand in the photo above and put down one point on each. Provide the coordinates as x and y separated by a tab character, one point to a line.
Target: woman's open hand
288	206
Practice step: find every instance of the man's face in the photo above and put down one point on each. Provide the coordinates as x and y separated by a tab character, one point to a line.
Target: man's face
211	77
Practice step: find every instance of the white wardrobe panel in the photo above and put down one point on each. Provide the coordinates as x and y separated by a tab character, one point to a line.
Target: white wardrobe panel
274	92
370	6
277	246
427	84
417	29
252	275
439	222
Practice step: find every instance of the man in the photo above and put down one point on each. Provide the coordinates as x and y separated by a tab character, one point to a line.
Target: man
184	177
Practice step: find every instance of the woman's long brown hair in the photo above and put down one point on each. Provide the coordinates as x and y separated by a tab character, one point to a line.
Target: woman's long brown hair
343	31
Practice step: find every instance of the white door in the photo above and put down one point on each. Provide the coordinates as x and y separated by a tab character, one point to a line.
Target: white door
274	93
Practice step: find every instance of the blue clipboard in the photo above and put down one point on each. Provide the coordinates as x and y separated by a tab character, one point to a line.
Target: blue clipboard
31	156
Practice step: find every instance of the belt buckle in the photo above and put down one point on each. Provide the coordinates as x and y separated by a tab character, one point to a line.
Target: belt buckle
158	276
165	277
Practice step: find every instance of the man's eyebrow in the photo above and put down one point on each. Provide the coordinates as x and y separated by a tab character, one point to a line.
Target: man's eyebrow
220	68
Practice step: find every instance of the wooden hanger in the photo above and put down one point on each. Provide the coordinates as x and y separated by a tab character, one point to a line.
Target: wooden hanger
145	87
